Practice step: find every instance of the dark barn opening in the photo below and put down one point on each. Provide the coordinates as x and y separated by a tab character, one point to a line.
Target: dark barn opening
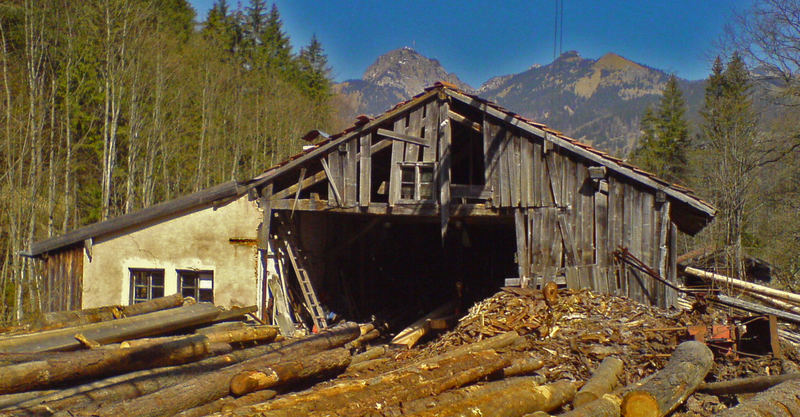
399	268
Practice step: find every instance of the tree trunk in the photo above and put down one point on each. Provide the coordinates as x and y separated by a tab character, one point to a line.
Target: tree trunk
215	385
159	322
605	406
669	387
140	383
359	397
290	371
782	400
73	366
231	336
525	396
745	385
604	379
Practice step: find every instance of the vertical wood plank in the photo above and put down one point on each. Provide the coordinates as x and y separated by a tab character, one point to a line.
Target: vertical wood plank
492	142
430	122
414	129
365	170
647	201
672	263
398	153
266	217
351	173
505	168
514	168
539	176
536	231
601	228
587	195
335	168
444	164
669	294
522	247
526	170
616	198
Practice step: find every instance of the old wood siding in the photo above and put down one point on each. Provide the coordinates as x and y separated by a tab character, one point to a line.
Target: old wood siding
62	280
570	224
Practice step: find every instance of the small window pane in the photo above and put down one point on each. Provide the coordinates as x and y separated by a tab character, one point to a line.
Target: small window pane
141	293
408	174
158	292
140	278
425	175
426	191
187	281
407	191
206	296
158	280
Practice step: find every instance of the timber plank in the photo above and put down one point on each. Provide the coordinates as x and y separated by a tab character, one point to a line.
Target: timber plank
398	153
586	194
539	174
601	230
335	184
514	168
445	161
505	168
647	201
365	170
266	217
414	129
526	171
430	128
351	173
522	246
536	231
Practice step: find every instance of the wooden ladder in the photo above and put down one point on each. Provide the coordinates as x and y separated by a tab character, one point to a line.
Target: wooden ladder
287	235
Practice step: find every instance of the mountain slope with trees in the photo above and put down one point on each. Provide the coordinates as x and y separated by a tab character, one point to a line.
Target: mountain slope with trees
109	107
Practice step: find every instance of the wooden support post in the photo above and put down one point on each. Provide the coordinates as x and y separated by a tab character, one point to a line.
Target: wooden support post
365	171
523	262
444	164
299	188
331	183
351	173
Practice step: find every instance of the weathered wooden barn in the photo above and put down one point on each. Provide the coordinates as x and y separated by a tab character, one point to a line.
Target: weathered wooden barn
446	193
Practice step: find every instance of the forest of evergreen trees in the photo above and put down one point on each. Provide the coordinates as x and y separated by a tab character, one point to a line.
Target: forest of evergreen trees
108	107
111	106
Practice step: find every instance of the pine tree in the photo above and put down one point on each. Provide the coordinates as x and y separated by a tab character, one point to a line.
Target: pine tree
665	139
314	70
220	28
276	49
733	152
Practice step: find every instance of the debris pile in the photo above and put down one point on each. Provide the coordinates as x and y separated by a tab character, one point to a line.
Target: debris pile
520	351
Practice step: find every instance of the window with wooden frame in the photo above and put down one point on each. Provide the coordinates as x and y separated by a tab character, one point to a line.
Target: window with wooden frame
146	284
196	284
417	181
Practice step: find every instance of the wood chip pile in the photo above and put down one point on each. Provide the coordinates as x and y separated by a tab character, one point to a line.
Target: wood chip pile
517	353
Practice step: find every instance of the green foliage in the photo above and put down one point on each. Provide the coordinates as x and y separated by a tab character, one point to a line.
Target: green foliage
176	110
665	136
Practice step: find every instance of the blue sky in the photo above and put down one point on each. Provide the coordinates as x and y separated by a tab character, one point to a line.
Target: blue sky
480	39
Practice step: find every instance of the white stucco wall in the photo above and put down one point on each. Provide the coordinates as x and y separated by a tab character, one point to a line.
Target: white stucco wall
198	240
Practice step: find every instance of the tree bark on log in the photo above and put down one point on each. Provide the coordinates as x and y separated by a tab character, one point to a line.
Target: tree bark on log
138	383
230	336
212	386
359	397
607	405
782	400
409	336
290	371
99	362
744	285
521	366
603	381
669	387
745	385
526	396
159	322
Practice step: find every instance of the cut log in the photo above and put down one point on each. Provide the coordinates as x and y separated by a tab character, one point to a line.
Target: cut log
605	406
550	293
745	385
409	336
669	387
495	342
140	383
526	396
73	366
603	381
522	366
150	306
782	400
9	400
221	335
744	285
358	397
290	371
364	338
159	322
756	308
369	354
216	385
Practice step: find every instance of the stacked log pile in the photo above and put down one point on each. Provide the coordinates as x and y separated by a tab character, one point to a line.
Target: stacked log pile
520	353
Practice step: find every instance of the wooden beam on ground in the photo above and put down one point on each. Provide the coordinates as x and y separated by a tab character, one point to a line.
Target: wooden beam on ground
416	140
748	286
755	308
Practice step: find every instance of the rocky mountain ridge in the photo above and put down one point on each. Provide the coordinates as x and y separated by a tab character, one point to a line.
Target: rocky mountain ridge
595	101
